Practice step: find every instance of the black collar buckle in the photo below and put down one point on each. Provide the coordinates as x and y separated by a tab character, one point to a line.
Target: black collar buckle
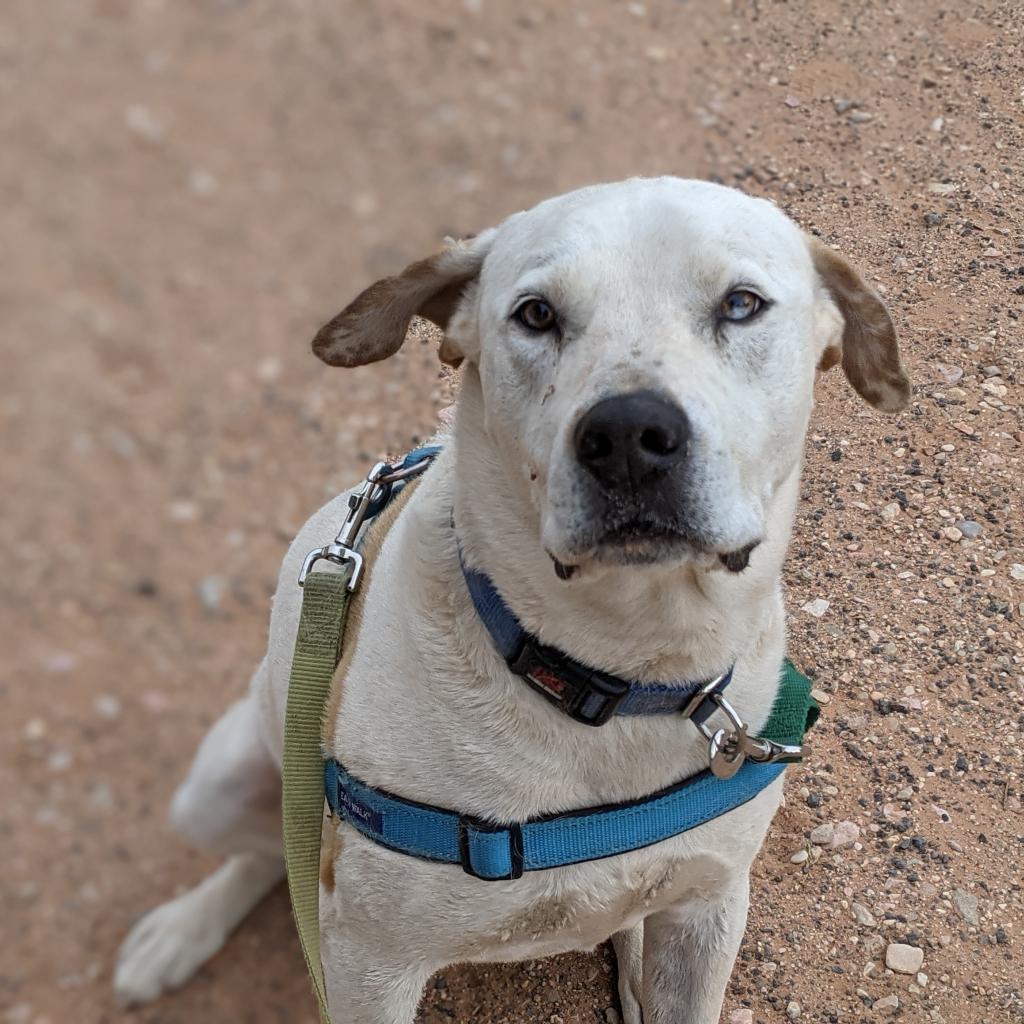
584	694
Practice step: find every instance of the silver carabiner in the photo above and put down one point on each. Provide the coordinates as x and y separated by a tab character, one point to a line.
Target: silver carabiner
342	550
729	748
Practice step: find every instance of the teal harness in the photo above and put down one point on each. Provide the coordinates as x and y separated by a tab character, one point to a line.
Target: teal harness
739	765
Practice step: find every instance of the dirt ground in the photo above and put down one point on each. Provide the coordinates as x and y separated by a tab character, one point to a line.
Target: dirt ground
189	188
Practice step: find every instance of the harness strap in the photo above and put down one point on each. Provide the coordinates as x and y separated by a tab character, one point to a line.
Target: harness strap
317	648
494	851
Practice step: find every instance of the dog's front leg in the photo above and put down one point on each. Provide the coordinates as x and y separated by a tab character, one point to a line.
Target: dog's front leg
367	986
689	950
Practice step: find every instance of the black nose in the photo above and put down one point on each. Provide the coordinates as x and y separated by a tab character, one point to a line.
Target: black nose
628	440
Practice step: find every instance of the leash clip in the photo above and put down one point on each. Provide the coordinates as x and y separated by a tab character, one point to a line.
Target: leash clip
729	747
363	505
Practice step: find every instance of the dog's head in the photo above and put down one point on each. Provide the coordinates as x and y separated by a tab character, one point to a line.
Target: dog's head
646	354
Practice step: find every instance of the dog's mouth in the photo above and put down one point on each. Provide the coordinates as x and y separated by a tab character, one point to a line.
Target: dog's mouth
644	541
640	538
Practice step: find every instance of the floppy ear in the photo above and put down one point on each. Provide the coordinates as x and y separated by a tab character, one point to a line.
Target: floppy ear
374	324
867	345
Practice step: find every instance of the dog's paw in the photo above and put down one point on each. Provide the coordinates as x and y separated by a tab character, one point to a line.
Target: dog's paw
164	950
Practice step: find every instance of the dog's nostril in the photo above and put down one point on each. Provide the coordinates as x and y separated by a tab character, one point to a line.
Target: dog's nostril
594	445
658	442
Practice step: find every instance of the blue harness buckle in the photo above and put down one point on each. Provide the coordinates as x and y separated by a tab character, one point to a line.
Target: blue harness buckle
488	851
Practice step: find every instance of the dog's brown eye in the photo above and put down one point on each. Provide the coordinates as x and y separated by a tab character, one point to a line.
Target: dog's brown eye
740	305
536	315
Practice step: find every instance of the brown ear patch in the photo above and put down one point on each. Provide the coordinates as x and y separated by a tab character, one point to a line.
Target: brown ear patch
870	349
373	326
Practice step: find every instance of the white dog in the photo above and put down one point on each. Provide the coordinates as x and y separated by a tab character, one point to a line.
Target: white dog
638	363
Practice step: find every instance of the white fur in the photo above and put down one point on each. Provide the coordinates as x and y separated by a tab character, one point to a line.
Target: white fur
430	711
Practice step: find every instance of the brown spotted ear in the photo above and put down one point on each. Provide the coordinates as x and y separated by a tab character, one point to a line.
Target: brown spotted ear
373	326
868	347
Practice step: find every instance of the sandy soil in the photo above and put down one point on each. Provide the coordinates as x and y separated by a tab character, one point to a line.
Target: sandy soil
188	189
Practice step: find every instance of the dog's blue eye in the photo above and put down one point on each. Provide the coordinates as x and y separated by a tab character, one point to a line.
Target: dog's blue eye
536	315
740	305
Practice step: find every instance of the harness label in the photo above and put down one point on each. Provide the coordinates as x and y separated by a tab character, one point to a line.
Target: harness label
358	813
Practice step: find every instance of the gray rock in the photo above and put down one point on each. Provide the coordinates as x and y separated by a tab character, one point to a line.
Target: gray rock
211	591
793	1010
862	915
844	106
966	905
860	117
887	1004
903	959
969	528
822	834
845	833
107	706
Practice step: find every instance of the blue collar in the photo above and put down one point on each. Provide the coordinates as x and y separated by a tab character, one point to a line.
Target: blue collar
585	694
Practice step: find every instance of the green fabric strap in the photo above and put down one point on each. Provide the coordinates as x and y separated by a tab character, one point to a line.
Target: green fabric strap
794	710
317	649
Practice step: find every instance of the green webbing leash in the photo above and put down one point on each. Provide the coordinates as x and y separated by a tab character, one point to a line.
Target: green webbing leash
318	645
325	601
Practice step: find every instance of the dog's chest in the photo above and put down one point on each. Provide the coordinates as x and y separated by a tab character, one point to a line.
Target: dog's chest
587	906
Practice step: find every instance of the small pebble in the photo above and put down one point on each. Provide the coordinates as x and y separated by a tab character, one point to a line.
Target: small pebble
887	1004
903	959
966	905
35	729
970	529
201	182
862	915
822	834
799	857
846	833
211	591
741	1016
793	1010
818	607
107	706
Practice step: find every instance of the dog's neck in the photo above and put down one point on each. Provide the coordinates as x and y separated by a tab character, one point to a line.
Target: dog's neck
649	623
